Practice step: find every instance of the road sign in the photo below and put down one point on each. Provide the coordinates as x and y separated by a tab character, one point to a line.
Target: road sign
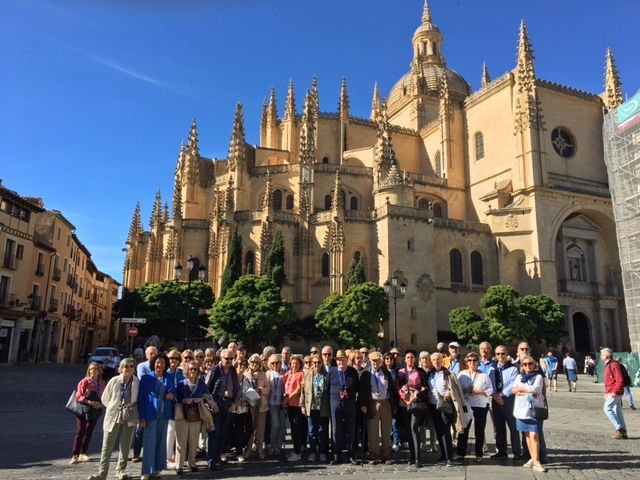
133	320
132	331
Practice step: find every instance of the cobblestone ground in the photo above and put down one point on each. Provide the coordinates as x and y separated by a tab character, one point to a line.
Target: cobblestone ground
36	434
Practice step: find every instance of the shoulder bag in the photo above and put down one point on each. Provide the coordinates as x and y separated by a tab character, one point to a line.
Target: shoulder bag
74	406
541	413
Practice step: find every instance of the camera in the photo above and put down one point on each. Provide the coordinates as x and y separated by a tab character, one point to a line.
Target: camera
344	394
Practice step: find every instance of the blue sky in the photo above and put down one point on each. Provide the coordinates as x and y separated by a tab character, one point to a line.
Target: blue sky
97	95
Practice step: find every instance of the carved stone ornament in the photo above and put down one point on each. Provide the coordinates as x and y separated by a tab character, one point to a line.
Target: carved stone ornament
425	287
511	222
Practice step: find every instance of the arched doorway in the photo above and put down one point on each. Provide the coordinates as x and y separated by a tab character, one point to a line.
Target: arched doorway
581	333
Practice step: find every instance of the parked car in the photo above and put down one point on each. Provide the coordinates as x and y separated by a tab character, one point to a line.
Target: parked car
101	355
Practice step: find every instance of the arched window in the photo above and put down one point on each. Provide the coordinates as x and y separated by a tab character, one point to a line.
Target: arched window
455	266
325	265
476	268
479	141
357	255
289	202
423	204
353	203
325	159
437	210
438	161
249	262
277	200
577	263
327	202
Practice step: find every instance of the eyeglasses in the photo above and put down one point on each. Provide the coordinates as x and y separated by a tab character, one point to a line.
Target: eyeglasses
527	364
275	363
326	353
501	353
187	358
193	369
227	358
472	360
129	365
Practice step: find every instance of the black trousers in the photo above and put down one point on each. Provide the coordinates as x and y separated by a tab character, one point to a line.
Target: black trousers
479	423
442	423
414	420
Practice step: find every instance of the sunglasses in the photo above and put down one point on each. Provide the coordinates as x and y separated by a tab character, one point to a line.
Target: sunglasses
129	365
501	353
307	362
227	358
193	369
275	363
174	358
472	360
527	364
327	353
187	358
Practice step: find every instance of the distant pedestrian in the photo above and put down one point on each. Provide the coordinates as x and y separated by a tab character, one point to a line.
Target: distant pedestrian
121	391
627	388
552	372
571	371
613	389
88	392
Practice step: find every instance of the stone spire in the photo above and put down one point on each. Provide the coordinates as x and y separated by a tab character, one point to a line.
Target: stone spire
375	103
443	88
336	204
135	230
526	75
484	81
228	196
156	215
266	197
192	156
343	106
263	117
427	41
290	104
612	84
165	213
384	155
237	145
272	109
177	199
308	131
315	97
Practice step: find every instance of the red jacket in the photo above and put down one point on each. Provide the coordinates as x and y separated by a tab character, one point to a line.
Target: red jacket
613	380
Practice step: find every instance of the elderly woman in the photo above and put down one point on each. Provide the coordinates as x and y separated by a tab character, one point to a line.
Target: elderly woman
276	409
293	379
477	390
189	393
528	389
88	393
424	361
178	376
120	393
314	400
260	383
155	406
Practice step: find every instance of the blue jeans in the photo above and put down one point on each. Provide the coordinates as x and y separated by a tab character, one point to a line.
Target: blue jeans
218	438
318	428
613	411
154	443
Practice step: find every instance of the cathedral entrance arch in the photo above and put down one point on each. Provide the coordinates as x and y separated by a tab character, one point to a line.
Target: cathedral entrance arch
581	332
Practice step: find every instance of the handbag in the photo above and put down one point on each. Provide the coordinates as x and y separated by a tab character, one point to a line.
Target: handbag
252	396
193	413
126	414
540	413
74	406
417	407
444	406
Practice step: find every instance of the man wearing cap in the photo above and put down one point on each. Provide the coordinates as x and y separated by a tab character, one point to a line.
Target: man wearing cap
378	400
342	382
453	362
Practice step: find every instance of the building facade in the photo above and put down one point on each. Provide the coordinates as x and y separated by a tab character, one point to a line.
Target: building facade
55	305
448	189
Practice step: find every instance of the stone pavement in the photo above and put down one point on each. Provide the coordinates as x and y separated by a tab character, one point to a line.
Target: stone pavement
36	434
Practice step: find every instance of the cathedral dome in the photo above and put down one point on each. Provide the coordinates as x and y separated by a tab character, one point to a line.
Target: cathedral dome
428	80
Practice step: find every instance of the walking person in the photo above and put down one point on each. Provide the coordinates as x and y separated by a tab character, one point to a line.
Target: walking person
552	372
155	407
528	389
478	390
571	371
613	390
120	394
88	393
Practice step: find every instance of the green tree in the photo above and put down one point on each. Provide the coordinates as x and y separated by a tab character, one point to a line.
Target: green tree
353	319
548	317
274	262
165	306
233	268
355	274
253	311
469	327
501	309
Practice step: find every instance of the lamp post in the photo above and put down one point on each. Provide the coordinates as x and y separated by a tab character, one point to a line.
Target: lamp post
396	292
191	262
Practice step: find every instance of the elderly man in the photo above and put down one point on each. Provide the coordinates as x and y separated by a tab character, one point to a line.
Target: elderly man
342	381
502	406
613	390
142	369
453	362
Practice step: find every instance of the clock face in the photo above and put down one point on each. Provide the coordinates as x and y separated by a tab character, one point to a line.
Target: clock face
563	142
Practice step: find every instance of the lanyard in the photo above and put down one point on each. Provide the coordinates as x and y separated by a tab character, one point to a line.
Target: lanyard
341	379
377	381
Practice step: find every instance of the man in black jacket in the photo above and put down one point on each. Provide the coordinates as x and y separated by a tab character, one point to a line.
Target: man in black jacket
378	400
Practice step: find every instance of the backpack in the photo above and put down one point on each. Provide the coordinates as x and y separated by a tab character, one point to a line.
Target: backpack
626	379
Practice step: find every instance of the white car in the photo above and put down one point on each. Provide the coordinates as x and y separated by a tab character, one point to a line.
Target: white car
101	355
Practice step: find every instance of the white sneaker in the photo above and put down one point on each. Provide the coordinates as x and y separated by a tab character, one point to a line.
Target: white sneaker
538	467
120	475
74	460
294	457
145	477
529	464
83	457
395	447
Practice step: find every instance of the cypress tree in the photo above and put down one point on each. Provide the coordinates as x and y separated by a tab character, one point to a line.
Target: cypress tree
233	269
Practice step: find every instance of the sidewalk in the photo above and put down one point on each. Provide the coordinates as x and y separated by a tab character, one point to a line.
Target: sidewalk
35	440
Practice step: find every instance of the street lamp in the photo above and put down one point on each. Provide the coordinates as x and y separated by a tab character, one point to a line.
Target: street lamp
191	262
396	292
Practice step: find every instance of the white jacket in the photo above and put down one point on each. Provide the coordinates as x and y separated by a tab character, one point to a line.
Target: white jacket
111	400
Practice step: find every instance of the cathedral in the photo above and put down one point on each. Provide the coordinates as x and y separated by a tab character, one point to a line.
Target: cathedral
445	190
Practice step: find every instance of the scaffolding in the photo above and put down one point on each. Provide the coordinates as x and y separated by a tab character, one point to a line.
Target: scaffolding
621	133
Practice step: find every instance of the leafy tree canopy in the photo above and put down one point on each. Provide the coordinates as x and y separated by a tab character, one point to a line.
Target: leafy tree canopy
548	317
355	274
164	305
253	311
469	327
353	319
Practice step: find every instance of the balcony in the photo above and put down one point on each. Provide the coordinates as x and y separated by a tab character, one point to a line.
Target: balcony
35	301
10	262
53	305
69	311
56	275
40	270
9	301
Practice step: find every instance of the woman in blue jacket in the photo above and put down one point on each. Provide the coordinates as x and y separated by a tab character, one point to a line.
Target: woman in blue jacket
155	405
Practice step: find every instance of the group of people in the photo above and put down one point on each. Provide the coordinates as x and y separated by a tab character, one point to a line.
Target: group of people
351	406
